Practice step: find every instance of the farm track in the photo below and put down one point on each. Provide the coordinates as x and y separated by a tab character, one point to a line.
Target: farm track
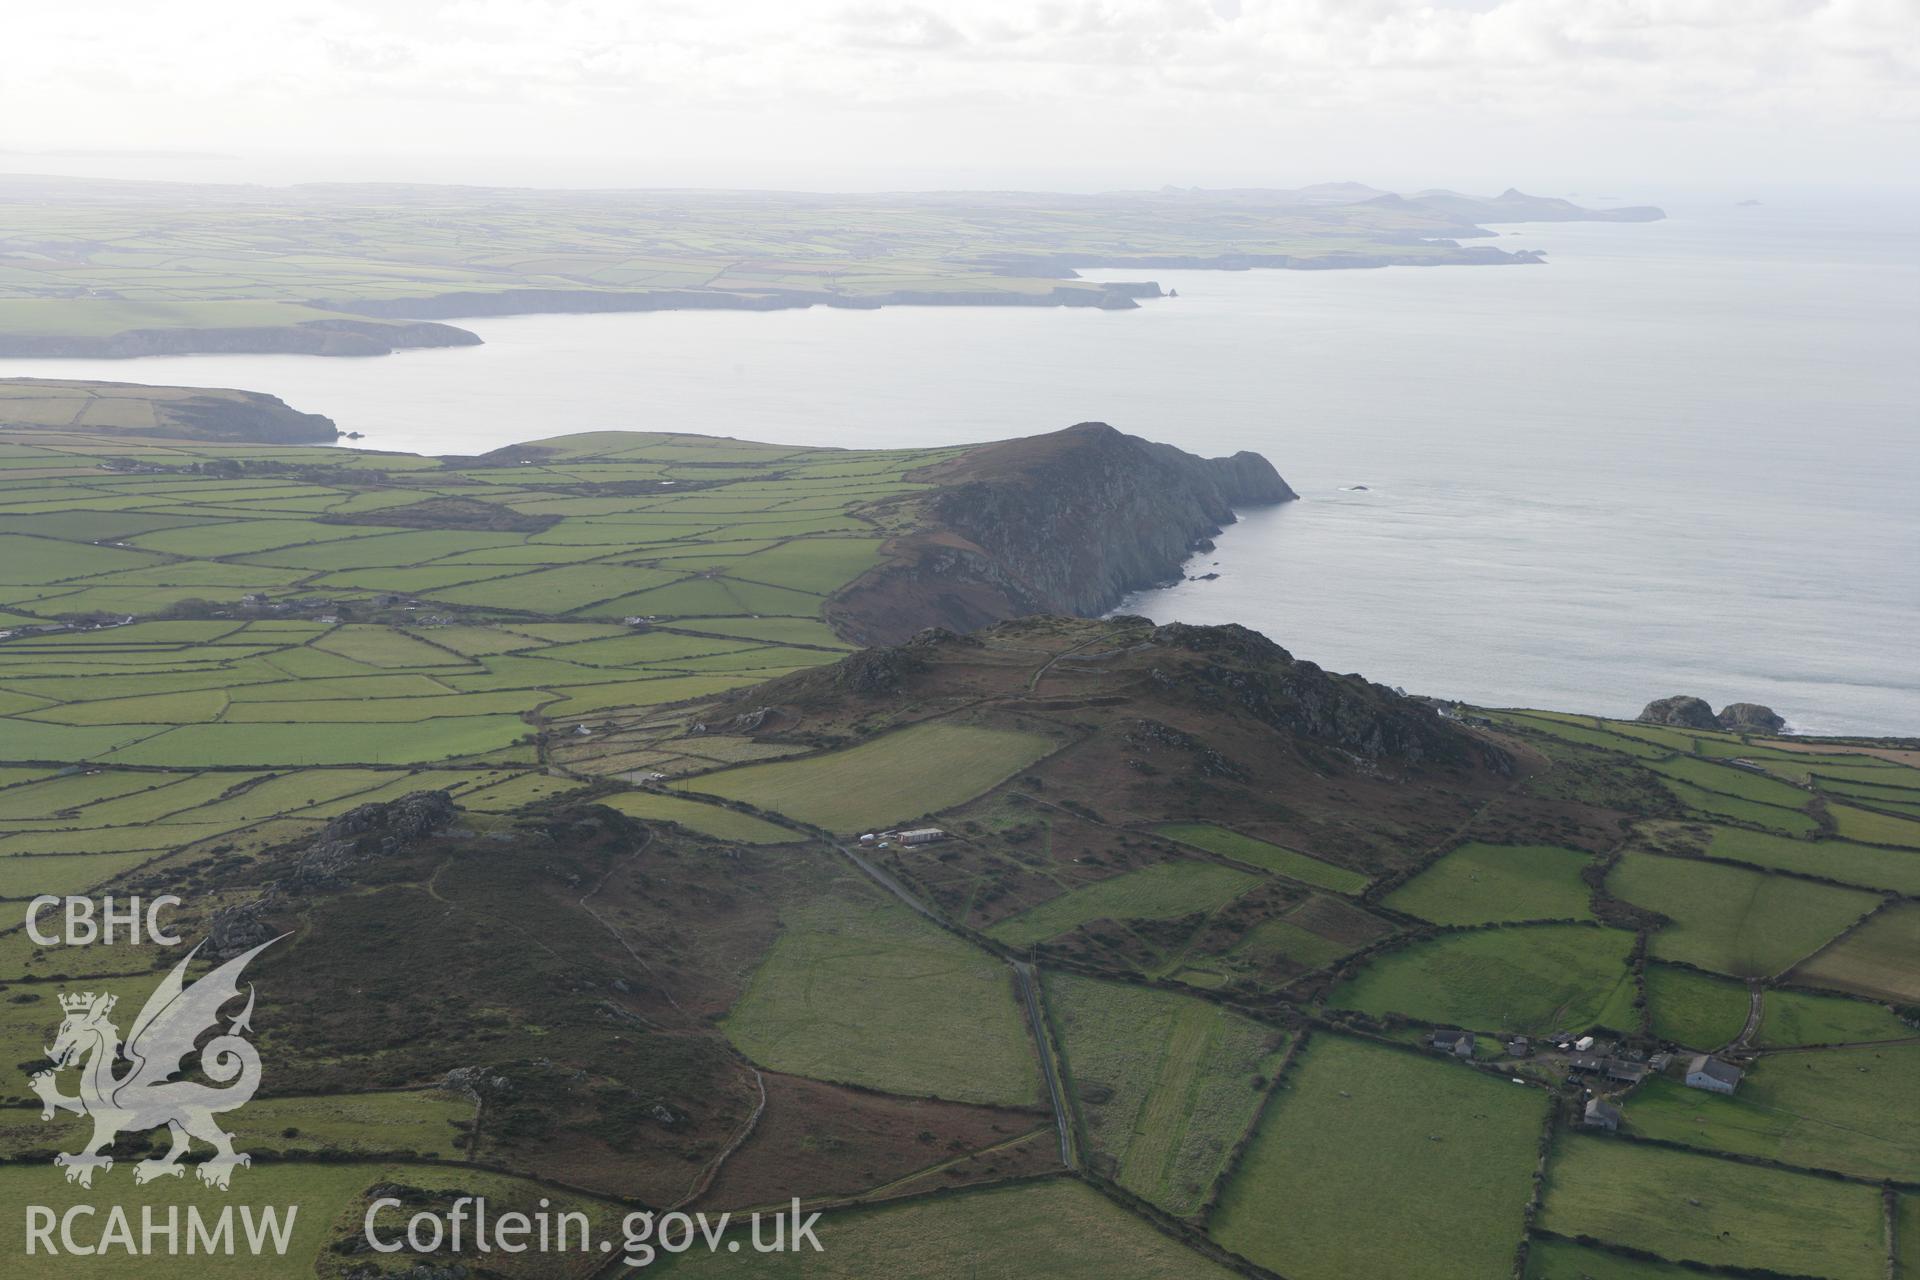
1756	1003
1040	672
432	887
704	1182
604	923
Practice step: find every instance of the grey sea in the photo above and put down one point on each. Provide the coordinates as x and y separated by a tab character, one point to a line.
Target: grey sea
1681	457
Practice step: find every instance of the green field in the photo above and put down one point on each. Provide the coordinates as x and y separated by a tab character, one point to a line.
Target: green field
776	630
320	1190
1716	804
1855	1111
420	1121
28	1025
346	677
1260	853
1376	1162
1292	940
1834	859
1698	1010
708	819
862	990
893	778
29	877
1872	786
819	565
1802	1017
1732	780
1585	730
523	789
1874	828
323	742
1058	1229
1824	768
1489	883
1529	978
1313	932
1166	1084
1879	960
1696	1208
1549	1259
1731	920
1158	892
1706	742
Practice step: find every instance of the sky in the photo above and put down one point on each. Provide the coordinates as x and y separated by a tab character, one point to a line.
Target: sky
1067	95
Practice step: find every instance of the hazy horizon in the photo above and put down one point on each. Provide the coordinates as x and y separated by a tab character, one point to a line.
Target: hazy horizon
1477	95
287	172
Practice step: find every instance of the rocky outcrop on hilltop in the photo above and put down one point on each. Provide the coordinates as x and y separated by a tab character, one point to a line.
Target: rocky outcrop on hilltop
1138	678
1068	523
367	834
1234	665
1683	711
328	864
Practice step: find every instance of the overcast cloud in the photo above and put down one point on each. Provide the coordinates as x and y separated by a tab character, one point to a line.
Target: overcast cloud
827	93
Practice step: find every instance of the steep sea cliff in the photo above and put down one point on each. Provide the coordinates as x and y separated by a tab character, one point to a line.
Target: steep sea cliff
1067	522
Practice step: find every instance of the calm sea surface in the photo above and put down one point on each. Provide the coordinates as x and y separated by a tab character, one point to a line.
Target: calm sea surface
1684	457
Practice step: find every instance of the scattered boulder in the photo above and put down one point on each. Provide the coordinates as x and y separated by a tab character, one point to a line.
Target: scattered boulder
1681	711
746	722
475	1082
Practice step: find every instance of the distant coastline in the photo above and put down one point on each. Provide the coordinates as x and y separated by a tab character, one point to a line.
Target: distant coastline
364	271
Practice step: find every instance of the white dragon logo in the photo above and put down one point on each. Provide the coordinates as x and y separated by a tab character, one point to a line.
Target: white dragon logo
147	1096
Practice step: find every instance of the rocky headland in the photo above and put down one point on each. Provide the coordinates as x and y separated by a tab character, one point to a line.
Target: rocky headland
1065	523
329	337
174	413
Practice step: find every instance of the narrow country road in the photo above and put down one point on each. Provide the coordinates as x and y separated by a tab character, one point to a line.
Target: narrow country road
1029	990
890	884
